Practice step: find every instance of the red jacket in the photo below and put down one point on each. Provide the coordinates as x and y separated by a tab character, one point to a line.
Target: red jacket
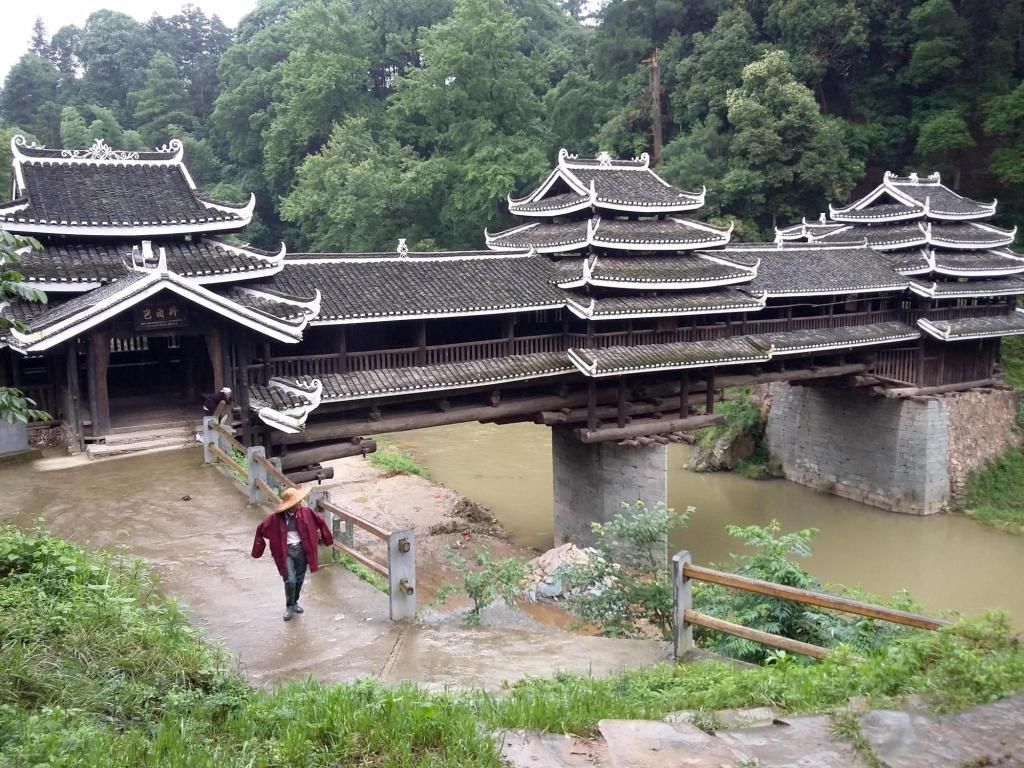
312	529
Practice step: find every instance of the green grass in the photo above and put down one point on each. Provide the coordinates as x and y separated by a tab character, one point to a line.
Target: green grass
372	578
995	493
98	669
392	460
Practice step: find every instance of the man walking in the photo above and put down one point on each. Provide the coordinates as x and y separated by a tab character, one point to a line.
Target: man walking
294	531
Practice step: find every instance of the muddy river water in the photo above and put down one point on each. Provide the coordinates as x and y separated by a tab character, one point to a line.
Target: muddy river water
944	561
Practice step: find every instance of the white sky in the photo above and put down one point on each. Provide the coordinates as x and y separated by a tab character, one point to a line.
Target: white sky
17	17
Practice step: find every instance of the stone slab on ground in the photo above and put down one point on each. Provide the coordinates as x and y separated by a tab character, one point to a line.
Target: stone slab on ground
529	749
657	744
805	742
460	658
910	739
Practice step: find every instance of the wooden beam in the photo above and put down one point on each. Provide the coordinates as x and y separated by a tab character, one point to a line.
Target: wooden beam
215	349
620	403
318	455
526	407
765	638
709	393
647	428
592	404
310	475
899	392
684	395
820	599
570	415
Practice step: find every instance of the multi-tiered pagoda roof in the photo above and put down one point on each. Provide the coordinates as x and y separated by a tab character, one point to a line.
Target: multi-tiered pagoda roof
942	241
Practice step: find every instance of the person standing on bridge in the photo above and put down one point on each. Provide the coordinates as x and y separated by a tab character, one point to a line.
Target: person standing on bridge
294	532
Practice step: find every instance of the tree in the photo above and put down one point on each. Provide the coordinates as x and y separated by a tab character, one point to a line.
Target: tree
39	44
1004	122
162	102
114	54
29	97
74	133
943	140
15	408
784	155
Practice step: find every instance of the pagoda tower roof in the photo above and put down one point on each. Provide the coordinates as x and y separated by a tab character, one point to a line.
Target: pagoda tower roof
104	192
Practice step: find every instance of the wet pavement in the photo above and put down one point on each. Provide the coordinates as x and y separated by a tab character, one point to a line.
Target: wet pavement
193	525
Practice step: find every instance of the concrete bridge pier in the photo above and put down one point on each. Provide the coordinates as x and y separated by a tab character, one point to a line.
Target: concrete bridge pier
592	481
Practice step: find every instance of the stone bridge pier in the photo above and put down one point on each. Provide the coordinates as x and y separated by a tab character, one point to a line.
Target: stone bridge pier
592	481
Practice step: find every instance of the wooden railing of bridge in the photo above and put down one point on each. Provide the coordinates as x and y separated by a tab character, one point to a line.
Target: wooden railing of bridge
684	572
264	481
319	365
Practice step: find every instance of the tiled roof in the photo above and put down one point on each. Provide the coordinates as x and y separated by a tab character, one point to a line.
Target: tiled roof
909	262
107	193
359	385
604	183
1008	286
1010	324
977	263
969	235
941	199
880	211
544	237
663	272
666	304
64	264
671	233
820	269
84	301
796	342
611	361
878	235
361	288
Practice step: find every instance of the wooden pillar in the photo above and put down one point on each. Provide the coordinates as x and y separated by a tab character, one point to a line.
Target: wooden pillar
421	342
215	348
74	411
590	333
565	329
591	404
620	403
508	331
629	333
267	371
684	395
244	359
709	395
789	317
342	349
99	398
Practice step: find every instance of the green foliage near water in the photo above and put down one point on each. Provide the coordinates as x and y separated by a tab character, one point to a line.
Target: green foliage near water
743	418
624	585
392	460
484	580
99	670
995	493
15	407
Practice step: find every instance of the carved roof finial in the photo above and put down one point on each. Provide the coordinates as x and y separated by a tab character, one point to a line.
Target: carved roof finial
99	151
604	160
403	248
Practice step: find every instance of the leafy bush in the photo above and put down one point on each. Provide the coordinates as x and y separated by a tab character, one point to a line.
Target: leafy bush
625	586
742	417
391	460
772	560
485	581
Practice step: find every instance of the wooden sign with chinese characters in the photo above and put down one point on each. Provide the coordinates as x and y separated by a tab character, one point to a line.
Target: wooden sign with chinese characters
165	314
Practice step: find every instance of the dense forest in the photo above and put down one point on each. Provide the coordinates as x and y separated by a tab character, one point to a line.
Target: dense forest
356	122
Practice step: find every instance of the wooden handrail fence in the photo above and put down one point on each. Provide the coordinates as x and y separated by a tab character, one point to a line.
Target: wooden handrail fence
684	619
265	481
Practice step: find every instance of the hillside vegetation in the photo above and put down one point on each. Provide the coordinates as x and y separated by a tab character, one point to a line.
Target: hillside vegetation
357	123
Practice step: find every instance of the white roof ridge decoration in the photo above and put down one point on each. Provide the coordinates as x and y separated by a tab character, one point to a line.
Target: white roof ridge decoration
100	153
310	307
292	419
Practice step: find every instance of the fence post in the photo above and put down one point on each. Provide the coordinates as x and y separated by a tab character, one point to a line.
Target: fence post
274	482
682	601
328	516
256	472
402	574
209	436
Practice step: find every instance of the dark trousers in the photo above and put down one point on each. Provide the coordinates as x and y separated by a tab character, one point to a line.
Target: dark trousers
296	574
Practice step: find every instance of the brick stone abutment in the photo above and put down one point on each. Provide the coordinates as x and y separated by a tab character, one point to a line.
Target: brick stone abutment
909	456
593	481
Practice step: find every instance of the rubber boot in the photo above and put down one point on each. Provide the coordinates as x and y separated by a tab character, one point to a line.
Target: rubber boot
289	597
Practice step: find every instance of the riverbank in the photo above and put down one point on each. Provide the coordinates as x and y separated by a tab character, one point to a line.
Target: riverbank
99	669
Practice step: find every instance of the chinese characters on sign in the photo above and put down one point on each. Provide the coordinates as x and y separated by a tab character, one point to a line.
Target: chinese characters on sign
163	315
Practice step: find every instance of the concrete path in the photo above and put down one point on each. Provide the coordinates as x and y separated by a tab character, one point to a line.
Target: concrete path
192	524
988	735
